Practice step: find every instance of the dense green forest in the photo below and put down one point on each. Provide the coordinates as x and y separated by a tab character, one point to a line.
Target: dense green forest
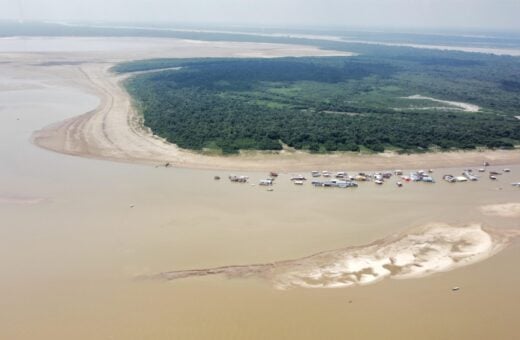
331	103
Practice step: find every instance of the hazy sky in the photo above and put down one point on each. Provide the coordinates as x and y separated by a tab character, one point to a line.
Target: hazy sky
498	14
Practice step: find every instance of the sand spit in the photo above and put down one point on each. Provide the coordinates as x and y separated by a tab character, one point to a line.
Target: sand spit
502	210
458	105
115	131
421	252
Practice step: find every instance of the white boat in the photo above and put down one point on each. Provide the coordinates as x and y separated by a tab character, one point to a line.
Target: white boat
494	178
341	174
238	179
517	184
507	170
428	179
449	178
297	182
399	184
481	170
325	173
266	182
378	182
469	176
461	179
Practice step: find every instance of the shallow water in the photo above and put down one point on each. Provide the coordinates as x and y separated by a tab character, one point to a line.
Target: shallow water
72	246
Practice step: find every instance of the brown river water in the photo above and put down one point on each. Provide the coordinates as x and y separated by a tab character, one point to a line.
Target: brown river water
82	242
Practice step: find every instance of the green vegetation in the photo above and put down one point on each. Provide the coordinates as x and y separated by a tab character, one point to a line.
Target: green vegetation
331	104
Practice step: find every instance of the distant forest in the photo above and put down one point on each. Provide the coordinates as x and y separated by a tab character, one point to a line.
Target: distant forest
329	104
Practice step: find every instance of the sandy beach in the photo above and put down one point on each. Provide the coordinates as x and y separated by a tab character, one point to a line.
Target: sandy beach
95	249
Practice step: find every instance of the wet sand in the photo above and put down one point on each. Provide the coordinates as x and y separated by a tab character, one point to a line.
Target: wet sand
73	262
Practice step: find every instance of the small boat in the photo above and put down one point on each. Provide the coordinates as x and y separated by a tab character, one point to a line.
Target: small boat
297	182
428	179
494	173
469	176
494	178
216	178
270	189
341	174
449	178
273	174
266	182
315	173
486	163
238	179
378	182
298	178
461	179
517	184
386	175
481	170
325	173
398	172
507	170
399	184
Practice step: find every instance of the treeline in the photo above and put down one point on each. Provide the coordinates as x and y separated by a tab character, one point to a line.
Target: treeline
326	104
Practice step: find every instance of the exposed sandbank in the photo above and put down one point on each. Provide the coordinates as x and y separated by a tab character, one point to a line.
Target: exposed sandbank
425	251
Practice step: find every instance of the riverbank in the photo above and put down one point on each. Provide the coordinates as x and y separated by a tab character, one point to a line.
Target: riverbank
115	131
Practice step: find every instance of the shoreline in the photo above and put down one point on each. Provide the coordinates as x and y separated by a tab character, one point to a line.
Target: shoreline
115	131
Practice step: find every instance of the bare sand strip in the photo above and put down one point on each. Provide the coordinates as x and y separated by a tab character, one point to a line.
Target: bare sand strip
418	253
115	131
459	105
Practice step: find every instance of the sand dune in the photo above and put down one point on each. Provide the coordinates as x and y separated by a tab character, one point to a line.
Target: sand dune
428	250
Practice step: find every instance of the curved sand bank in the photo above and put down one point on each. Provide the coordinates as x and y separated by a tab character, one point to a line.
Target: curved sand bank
428	250
458	105
114	131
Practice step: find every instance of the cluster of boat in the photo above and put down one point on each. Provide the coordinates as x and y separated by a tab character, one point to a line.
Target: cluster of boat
342	179
335	183
468	175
